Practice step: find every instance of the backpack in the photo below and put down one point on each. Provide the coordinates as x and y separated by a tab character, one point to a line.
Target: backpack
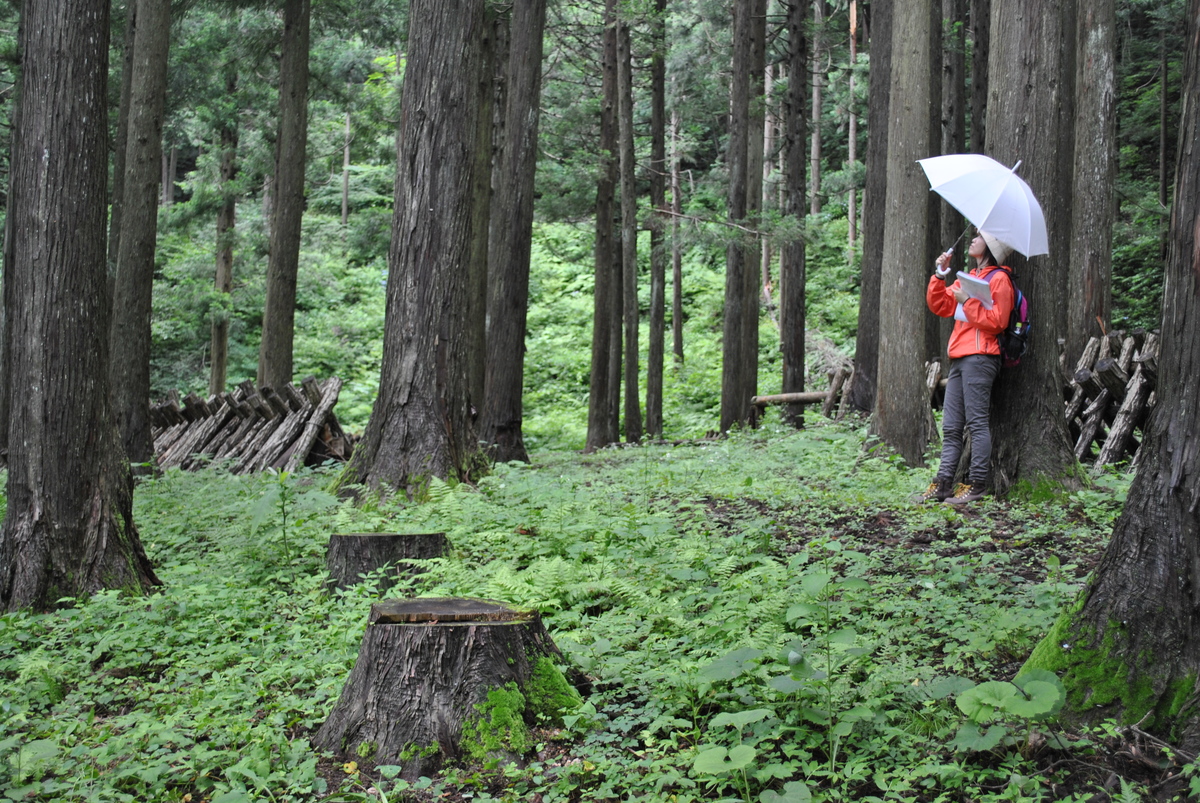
1014	340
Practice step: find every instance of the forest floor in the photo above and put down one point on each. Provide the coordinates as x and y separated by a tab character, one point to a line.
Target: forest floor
763	618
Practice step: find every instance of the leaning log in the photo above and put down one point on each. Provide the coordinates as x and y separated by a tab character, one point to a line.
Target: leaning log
808	397
835	387
424	673
1093	420
352	555
1111	376
1121	431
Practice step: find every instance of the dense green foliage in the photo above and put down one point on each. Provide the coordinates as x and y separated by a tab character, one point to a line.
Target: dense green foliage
756	614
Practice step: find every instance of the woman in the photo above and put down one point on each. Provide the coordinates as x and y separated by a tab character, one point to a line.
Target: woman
974	363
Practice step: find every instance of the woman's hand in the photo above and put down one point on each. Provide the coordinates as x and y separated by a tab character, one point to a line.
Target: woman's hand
960	295
941	266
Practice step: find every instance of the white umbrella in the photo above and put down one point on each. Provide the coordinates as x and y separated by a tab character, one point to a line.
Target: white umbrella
991	196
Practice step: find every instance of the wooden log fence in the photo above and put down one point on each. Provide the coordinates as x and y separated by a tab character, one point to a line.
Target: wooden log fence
251	429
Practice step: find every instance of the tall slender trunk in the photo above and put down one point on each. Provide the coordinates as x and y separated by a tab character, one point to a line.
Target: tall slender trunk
901	406
752	291
1089	298
510	239
768	146
226	222
602	429
658	201
852	131
818	85
792	259
866	354
981	24
134	286
676	251
346	172
117	190
68	531
629	230
735	402
279	311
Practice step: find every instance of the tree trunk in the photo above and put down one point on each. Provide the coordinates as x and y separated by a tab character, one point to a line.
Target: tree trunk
69	528
117	190
489	147
752	291
351	555
954	131
421	424
134	286
792	269
511	238
852	132
676	251
658	202
629	231
602	429
1029	433
735	394
908	251
226	220
866	355
424	671
170	164
818	79
981	23
1089	299
346	172
279	310
1142	599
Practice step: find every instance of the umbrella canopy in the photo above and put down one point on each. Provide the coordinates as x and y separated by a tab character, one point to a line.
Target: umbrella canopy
991	196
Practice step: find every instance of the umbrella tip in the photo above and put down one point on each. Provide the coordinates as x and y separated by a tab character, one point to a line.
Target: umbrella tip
1018	164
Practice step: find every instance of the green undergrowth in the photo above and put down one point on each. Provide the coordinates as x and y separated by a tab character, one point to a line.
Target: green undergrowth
763	618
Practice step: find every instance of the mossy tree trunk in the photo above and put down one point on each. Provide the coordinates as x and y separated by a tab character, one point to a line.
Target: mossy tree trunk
437	679
1131	645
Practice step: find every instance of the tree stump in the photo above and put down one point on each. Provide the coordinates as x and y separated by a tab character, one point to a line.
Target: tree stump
352	555
424	674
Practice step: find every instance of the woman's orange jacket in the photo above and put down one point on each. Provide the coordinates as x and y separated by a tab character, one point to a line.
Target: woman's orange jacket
976	335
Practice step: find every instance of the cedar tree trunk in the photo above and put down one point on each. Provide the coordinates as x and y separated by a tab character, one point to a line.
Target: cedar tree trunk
279	310
658	200
1089	300
1029	432
69	527
866	355
226	220
981	21
792	258
511	237
629	230
421	425
903	399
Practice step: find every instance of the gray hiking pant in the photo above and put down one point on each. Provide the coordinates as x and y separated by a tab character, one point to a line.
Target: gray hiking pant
967	407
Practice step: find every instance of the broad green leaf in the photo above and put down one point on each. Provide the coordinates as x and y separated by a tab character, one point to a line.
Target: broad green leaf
803	610
793	792
730	666
1043	699
786	684
739	719
855	584
981	702
1044	676
741	756
718	760
815	583
969	737
947	687
846	636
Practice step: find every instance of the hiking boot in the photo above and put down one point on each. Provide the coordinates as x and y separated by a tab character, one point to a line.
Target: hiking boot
938	491
967	493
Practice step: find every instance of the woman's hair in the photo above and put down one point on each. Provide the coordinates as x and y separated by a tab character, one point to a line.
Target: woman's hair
989	259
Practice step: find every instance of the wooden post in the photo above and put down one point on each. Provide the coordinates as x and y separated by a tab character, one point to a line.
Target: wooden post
424	672
351	555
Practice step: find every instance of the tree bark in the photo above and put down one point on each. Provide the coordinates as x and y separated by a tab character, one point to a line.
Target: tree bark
602	425
818	79
792	267
421	424
753	288
954	90
866	354
117	190
1089	299
735	394
226	221
658	202
279	310
69	528
134	286
1029	433
423	667
629	230
1142	599
351	555
852	131
489	147
981	23
676	250
511	239
907	251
